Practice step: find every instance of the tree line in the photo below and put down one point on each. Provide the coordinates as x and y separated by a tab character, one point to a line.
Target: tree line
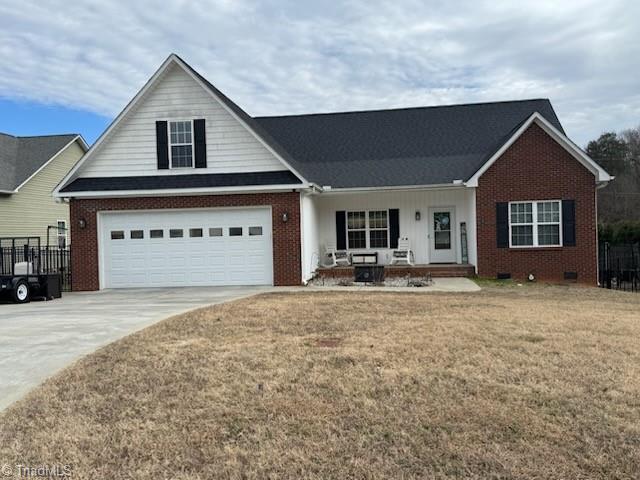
619	201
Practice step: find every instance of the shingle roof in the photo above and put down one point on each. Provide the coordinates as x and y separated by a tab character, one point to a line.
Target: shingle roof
164	182
408	146
21	157
411	146
379	148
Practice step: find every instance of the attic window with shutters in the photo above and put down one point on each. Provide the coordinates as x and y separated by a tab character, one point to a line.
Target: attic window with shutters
181	144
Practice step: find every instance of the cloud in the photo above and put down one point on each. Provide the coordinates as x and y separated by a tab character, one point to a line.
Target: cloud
278	57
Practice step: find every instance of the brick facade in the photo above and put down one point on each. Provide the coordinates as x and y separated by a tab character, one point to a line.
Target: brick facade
286	236
535	167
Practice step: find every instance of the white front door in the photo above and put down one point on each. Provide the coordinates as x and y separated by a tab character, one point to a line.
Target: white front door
442	243
177	248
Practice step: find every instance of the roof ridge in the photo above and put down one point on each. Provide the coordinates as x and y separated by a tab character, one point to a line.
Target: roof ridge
399	109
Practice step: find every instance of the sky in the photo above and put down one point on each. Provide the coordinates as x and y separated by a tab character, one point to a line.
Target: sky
73	68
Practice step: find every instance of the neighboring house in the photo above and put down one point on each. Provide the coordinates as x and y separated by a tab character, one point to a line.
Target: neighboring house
30	168
185	188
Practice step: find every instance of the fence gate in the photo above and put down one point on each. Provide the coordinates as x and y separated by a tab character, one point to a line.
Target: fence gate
619	266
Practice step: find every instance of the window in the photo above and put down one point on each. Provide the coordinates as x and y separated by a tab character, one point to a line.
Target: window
357	229
62	233
117	235
175	233
253	231
136	234
156	233
368	229
235	231
521	224
535	224
442	230
215	232
195	232
378	229
548	223
181	144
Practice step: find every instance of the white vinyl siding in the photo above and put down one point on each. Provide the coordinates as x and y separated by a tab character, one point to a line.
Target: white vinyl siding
131	148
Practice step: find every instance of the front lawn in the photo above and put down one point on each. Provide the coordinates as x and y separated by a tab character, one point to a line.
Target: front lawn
522	382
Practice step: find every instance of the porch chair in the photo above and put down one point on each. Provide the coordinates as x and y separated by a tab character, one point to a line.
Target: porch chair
337	257
403	254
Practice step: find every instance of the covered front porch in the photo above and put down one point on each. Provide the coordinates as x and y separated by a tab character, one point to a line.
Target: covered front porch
438	222
414	271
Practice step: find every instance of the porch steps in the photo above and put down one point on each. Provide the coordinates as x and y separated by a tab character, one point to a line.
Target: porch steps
436	271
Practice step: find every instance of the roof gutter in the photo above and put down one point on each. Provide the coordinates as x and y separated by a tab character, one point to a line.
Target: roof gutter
327	189
180	192
603	183
8	192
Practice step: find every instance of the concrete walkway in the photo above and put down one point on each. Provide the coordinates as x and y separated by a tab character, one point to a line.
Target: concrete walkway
39	338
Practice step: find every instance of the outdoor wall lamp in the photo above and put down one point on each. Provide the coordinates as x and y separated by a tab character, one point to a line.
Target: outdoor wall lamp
417	215
285	217
82	223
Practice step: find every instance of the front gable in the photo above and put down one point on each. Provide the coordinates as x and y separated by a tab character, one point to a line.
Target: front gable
549	135
535	166
129	146
536	169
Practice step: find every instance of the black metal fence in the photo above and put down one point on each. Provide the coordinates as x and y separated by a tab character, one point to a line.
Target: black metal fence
38	260
619	266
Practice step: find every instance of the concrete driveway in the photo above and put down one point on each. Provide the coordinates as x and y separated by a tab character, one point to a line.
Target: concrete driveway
39	338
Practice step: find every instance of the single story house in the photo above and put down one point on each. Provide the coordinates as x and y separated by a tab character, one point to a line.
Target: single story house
185	188
30	168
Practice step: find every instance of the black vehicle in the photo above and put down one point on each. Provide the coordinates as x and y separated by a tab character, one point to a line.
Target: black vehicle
23	271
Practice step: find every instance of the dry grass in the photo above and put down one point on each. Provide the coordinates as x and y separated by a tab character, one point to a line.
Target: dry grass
540	382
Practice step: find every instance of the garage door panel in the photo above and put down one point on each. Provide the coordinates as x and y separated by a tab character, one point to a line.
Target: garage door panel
156	261
217	261
138	263
205	254
158	278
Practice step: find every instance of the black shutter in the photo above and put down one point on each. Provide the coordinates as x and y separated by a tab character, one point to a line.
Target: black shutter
341	230
394	227
162	145
200	145
502	224
569	223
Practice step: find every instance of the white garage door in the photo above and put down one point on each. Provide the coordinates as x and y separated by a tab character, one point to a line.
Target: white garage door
186	248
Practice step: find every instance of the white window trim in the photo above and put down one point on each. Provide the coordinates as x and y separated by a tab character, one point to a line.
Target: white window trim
367	229
64	233
535	223
193	141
